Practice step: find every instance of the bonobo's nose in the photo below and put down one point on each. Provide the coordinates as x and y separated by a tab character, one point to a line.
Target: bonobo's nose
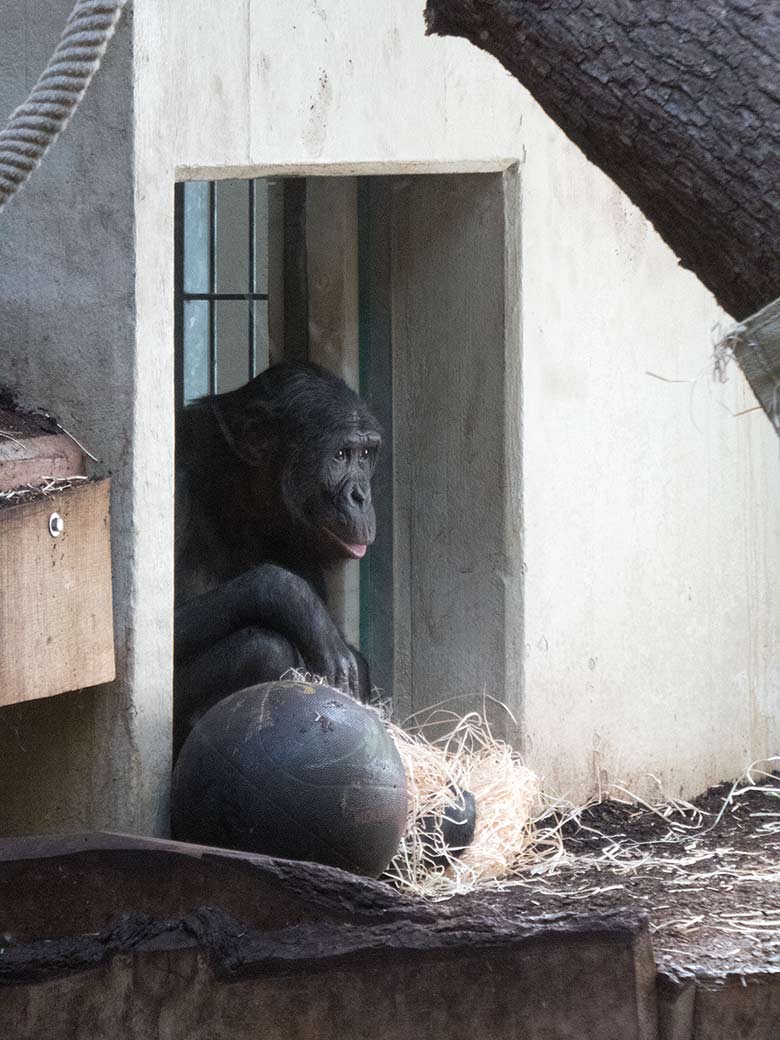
360	496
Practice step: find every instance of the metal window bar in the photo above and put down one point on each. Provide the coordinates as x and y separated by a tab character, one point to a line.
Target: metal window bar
178	294
252	280
212	297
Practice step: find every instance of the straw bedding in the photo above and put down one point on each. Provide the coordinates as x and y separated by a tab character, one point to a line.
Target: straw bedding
705	871
515	830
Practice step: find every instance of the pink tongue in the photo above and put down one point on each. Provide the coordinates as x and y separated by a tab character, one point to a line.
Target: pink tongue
358	550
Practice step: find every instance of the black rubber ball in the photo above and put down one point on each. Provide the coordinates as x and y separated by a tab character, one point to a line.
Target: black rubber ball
296	770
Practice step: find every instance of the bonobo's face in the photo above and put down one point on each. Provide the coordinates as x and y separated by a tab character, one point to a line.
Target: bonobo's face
336	507
311	445
346	511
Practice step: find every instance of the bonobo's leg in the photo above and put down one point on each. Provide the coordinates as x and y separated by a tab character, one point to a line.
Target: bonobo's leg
244	658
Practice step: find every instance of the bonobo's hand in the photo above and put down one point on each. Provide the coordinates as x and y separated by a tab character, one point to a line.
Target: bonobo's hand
288	603
328	655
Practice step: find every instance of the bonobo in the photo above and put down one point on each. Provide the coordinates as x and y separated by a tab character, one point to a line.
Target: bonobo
273	486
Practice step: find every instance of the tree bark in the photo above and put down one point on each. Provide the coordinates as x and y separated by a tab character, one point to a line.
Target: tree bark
678	101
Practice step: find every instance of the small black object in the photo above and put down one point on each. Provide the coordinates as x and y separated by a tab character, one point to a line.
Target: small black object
456	825
296	770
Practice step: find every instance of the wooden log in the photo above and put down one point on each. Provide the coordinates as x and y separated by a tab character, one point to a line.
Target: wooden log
327	955
738	1007
677	102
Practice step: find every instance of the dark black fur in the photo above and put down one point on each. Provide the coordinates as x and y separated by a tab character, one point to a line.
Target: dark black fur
273	486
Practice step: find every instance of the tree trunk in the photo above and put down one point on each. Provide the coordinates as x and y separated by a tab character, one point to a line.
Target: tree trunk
678	101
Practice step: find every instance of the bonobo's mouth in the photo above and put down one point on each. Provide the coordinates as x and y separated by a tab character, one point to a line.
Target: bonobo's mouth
355	550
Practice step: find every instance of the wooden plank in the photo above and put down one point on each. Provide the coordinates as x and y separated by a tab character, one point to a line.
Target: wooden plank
56	615
31	460
207	978
675	1000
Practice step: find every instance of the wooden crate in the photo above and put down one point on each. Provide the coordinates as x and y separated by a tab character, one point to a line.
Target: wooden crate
56	616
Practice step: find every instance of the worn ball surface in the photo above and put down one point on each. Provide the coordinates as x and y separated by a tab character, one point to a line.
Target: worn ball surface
296	770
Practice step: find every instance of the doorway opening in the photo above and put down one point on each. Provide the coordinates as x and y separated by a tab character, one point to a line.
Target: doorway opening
407	286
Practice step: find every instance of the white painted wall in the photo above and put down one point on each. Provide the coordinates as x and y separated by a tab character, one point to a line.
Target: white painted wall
651	514
652	511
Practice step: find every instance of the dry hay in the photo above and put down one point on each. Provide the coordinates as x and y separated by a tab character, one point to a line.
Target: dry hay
47	488
667	857
707	872
516	832
519	841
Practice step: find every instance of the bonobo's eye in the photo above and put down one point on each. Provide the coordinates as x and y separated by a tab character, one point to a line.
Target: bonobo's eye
365	453
340	455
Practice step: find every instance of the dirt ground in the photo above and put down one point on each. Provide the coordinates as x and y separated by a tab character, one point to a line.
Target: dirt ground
706	873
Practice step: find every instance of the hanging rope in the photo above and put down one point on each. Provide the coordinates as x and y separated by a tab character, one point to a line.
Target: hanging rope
36	124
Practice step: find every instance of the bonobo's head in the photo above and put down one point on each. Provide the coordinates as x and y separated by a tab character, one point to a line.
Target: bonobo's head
311	443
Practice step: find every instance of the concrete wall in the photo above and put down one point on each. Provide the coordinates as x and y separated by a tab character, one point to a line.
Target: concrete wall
651	514
68	343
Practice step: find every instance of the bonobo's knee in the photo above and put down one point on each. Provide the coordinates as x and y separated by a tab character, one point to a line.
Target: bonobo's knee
263	656
244	658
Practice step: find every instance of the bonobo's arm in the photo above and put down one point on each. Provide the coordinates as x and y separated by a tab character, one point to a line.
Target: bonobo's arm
268	596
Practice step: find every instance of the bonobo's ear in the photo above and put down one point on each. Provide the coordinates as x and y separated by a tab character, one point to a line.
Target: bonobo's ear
254	434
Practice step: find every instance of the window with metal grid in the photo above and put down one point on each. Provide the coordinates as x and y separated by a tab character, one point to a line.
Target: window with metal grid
222	284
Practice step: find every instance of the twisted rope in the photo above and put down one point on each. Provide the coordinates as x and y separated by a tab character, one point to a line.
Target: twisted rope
36	124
